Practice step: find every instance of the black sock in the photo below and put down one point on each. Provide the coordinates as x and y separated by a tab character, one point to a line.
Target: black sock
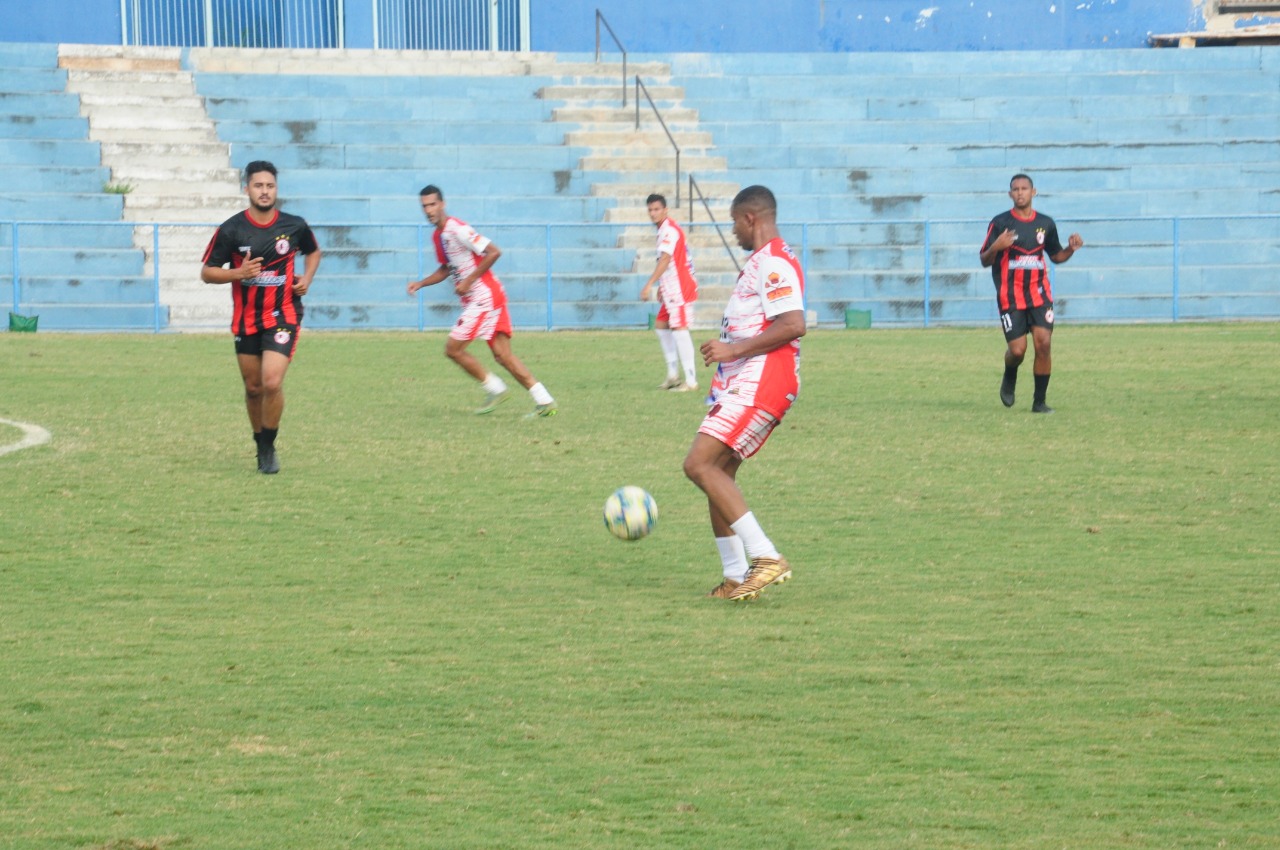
1010	376
269	437
257	438
1042	386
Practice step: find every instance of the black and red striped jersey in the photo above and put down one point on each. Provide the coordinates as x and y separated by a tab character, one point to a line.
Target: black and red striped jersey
1021	273
268	300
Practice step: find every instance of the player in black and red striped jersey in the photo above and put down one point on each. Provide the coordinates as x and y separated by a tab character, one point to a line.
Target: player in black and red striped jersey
254	251
1017	243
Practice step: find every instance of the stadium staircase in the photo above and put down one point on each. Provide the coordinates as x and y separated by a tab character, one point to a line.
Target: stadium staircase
159	143
631	156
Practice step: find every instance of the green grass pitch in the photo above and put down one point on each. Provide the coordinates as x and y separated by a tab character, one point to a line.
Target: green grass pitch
1005	630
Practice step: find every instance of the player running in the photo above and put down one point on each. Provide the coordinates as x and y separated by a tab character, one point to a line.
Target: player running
467	257
259	245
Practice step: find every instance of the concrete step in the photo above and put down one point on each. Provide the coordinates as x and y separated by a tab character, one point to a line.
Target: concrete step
141	99
637	213
221	186
119	63
172	177
161	153
176	84
614	162
624	138
627	189
144	122
608	94
591	117
171	135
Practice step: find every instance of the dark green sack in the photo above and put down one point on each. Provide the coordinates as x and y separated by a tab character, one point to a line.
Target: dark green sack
22	324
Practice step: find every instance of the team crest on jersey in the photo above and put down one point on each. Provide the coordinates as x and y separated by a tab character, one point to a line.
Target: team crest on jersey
282	336
773	288
1039	235
282	246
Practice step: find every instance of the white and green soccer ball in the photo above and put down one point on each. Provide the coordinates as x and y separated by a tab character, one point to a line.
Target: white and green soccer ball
630	513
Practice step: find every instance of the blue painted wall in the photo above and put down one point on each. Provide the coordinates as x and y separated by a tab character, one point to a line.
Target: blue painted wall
738	26
809	26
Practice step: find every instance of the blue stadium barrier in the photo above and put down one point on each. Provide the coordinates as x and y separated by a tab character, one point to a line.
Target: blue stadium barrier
906	273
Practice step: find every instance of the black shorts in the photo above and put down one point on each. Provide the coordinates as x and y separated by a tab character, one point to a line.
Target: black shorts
282	339
1018	323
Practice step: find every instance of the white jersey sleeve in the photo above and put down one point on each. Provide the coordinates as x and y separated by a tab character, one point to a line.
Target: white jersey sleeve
780	287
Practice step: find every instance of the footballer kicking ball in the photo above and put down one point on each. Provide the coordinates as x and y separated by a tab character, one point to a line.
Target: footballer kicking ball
630	513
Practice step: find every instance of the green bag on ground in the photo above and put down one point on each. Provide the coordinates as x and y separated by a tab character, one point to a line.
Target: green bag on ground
22	324
859	319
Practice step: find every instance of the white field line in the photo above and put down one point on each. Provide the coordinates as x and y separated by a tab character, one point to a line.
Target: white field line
33	435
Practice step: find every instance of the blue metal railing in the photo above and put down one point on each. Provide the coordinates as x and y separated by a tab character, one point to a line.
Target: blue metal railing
913	272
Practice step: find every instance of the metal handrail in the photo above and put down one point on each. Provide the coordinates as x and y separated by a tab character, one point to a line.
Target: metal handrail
641	87
695	188
600	19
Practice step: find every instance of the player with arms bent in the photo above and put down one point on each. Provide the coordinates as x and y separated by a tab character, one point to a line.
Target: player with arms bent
677	290
759	356
259	246
467	258
1015	249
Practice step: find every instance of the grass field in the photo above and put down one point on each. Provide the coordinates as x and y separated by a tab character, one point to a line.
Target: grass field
1005	630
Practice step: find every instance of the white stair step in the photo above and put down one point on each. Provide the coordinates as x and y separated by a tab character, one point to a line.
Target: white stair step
135	134
652	162
149	121
591	116
143	99
622	139
607	94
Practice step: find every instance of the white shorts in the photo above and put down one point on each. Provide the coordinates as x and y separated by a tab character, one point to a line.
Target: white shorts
481	321
742	429
677	318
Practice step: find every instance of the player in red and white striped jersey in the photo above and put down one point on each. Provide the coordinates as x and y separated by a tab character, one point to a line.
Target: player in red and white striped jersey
468	258
759	356
677	290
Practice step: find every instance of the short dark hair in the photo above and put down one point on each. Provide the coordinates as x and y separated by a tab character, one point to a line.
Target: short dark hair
256	166
758	196
431	189
655	197
1022	177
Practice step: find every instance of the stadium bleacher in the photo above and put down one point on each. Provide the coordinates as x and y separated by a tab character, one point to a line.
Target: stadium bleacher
71	276
884	158
1107	135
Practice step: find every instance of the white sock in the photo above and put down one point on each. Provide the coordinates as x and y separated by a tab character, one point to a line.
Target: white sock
733	557
493	384
684	345
668	343
540	394
753	537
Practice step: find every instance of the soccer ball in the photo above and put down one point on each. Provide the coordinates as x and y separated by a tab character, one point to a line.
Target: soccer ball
630	513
